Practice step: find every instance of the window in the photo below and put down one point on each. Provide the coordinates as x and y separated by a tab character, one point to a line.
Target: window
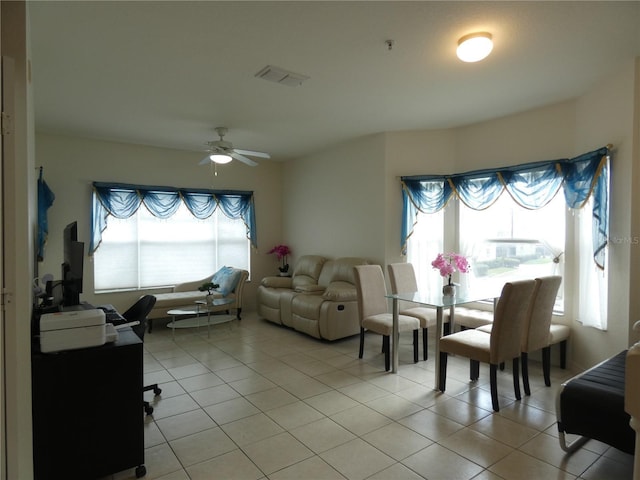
143	251
507	242
423	246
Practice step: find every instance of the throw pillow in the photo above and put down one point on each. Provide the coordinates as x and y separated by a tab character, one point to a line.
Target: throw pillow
227	278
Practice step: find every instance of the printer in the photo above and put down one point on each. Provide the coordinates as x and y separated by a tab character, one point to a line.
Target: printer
69	330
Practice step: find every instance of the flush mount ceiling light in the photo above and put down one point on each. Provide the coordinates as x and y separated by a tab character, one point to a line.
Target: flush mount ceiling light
474	47
218	158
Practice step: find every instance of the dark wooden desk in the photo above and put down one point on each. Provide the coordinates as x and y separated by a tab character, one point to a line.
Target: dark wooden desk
88	420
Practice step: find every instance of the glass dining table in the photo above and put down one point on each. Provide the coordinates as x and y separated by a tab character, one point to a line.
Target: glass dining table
439	302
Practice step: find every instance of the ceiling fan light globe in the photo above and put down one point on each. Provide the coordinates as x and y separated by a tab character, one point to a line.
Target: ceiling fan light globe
220	158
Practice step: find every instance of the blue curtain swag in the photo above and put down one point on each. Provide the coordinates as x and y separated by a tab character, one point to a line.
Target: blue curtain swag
531	185
122	201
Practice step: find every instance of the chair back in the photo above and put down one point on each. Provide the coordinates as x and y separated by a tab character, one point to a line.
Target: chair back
138	313
371	291
508	320
535	333
402	278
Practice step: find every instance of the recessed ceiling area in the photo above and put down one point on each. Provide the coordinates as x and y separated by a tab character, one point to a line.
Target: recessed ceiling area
167	73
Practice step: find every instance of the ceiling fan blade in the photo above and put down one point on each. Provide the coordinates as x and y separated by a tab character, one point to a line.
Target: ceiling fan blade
243	159
252	153
205	160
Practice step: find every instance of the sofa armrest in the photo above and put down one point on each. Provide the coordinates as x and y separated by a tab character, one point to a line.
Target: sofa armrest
277	282
310	289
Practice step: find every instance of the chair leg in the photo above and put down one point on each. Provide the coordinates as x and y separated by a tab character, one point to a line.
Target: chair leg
239	309
387	356
516	377
443	371
474	370
447	328
563	354
150	323
425	339
493	380
546	365
415	346
524	357
361	343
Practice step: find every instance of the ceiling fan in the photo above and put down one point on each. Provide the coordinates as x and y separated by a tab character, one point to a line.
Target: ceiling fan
221	151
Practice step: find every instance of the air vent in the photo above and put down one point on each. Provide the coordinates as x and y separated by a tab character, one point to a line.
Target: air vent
281	76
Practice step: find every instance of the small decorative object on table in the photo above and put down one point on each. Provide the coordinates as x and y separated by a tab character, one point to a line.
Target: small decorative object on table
448	264
281	252
209	287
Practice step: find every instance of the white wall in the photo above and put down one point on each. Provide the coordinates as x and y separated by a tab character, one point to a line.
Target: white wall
333	201
71	164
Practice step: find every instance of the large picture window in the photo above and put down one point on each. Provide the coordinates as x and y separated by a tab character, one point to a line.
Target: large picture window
156	236
144	251
507	242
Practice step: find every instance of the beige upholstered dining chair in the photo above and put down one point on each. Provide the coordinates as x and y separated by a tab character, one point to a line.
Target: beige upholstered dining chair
502	344
373	310
402	278
536	331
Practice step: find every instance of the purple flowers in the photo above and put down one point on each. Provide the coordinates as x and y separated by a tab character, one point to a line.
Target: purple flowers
281	252
449	263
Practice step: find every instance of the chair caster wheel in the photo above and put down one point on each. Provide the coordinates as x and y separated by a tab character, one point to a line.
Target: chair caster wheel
157	391
141	471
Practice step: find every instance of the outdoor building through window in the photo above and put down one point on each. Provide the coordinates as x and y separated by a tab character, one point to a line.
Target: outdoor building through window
143	251
507	242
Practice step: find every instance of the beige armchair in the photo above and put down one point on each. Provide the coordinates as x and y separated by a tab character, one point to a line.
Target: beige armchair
501	345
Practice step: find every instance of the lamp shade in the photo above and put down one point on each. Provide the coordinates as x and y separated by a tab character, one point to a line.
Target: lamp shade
474	47
220	158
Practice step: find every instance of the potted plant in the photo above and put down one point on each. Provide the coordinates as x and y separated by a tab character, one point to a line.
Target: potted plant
208	287
448	264
281	251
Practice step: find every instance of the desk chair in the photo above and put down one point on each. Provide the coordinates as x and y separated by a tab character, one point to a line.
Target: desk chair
138	313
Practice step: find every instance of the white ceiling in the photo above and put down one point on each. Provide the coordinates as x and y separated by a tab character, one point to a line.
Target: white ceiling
166	73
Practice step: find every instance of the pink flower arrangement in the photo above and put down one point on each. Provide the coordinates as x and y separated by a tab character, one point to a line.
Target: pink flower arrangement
449	263
281	252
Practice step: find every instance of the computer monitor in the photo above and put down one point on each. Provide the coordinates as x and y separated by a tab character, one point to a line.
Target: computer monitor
72	266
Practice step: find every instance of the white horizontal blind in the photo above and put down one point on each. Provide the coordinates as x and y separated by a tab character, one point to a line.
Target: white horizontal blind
144	251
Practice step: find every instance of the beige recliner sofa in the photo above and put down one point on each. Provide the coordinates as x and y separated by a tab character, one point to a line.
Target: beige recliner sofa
186	294
320	299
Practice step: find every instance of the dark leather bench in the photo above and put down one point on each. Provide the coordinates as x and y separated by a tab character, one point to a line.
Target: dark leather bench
591	405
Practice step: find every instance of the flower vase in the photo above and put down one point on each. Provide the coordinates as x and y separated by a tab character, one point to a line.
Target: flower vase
449	290
209	299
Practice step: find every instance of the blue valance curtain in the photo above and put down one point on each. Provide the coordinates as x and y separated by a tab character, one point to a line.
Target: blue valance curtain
122	201
531	185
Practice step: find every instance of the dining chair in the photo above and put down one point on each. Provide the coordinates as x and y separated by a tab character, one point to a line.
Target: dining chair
402	278
536	333
373	310
502	344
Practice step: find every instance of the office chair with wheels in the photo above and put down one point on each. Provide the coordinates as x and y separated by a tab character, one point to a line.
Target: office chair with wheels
138	312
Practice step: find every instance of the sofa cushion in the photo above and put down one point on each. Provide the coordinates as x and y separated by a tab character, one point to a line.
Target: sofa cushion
227	278
307	270
277	282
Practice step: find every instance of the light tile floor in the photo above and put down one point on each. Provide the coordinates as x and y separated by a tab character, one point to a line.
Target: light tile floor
257	401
